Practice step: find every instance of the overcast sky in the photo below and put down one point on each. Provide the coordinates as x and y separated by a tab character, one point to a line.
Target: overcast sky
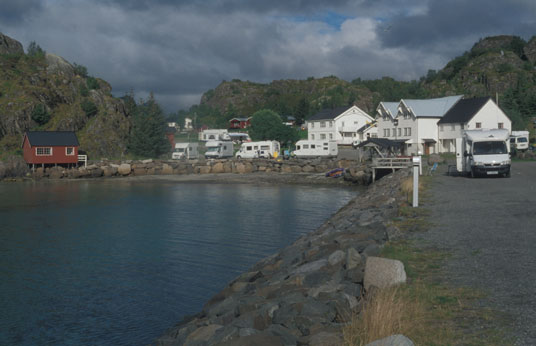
180	49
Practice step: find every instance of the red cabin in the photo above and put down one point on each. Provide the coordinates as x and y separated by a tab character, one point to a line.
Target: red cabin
239	123
50	147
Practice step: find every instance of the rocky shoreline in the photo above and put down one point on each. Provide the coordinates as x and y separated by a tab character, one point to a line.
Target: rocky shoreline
306	293
294	170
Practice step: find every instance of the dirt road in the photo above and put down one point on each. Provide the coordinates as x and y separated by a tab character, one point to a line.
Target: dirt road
489	225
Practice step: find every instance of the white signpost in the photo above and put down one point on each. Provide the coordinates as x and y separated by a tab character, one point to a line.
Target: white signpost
416	169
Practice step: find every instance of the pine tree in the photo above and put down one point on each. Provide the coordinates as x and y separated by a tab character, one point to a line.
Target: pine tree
147	137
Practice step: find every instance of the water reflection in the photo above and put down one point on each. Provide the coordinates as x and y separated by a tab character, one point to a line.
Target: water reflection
111	262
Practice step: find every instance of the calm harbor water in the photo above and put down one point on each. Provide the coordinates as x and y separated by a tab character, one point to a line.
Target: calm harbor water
117	263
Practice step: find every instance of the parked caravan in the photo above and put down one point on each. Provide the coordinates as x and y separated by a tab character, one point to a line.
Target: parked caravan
254	150
219	149
519	140
483	152
185	151
306	148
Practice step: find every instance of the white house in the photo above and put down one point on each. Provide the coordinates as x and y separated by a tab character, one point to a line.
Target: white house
188	124
473	113
415	122
339	124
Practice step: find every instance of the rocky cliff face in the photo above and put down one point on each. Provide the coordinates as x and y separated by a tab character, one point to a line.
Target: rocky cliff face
49	86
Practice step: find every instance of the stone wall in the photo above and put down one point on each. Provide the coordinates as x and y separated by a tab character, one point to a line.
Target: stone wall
354	171
305	294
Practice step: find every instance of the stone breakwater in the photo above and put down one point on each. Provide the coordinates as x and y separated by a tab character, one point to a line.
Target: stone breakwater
355	172
307	293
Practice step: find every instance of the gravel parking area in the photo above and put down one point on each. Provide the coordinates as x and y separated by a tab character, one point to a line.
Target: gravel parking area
489	227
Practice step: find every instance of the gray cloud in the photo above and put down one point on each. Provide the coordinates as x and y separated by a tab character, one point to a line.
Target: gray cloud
14	11
180	49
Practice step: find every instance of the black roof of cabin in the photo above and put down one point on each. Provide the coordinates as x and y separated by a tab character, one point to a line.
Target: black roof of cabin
52	138
464	110
327	114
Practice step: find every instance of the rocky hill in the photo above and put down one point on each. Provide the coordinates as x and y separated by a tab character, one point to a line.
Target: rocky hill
43	91
502	65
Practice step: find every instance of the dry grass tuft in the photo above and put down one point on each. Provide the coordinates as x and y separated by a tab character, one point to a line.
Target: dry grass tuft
390	311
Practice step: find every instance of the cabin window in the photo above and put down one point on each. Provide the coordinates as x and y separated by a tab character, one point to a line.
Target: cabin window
43	151
500	125
69	151
306	146
265	147
249	147
478	125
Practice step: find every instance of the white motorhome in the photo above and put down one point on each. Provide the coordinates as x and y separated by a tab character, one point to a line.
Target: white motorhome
185	151
219	149
483	152
519	140
262	149
306	148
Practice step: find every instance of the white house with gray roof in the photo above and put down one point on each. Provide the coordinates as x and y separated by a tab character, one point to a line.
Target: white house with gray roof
340	125
414	122
470	114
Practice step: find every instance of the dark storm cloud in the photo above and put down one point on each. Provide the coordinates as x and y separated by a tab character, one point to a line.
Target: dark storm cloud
14	11
458	19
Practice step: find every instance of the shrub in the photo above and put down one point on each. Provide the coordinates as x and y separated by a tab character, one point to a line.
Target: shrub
34	50
80	70
40	114
89	108
92	83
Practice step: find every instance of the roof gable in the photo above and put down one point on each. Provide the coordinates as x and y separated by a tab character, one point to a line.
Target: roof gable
391	108
329	114
464	110
434	108
52	138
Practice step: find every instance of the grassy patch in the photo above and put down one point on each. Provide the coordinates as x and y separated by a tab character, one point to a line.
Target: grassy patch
426	309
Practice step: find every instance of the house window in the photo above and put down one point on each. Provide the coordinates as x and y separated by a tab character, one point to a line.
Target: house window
312	125
387	133
331	124
500	125
313	136
478	125
399	132
43	151
331	136
394	132
409	131
322	136
322	124
69	151
462	126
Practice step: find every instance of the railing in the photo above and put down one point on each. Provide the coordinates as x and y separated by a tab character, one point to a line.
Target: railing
83	158
392	162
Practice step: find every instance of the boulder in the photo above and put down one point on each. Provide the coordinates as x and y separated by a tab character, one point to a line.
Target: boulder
218	167
203	334
383	272
10	46
167	169
58	65
393	340
259	339
124	169
353	258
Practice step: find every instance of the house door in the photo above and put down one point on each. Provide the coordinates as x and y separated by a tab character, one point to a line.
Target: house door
427	149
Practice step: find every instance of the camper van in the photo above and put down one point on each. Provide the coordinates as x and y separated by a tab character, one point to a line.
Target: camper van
219	149
185	151
305	148
519	140
483	152
254	150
